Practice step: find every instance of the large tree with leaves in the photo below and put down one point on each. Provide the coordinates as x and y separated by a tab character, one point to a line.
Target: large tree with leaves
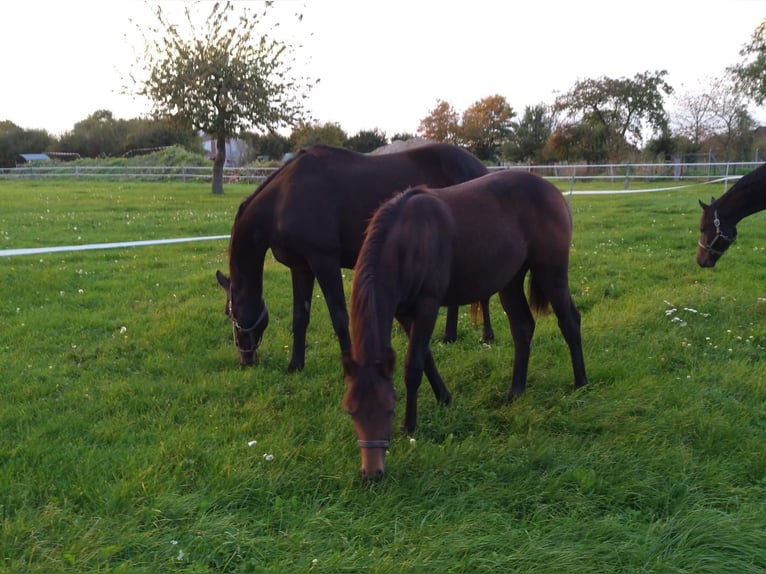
442	124
486	126
750	74
619	109
223	79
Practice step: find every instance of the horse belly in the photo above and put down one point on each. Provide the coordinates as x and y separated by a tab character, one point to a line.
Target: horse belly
479	272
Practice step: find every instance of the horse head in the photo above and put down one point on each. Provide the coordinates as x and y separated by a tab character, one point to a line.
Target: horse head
370	400
249	319
716	236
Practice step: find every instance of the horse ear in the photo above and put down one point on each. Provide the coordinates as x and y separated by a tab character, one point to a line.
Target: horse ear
704	206
223	281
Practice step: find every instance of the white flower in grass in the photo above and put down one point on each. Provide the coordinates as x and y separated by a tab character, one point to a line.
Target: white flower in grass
412	441
123	330
268	457
252	442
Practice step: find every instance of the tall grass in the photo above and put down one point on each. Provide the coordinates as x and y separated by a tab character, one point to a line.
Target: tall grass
132	441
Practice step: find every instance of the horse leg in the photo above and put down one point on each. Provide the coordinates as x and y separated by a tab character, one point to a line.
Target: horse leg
569	323
450	329
419	359
522	328
488	335
330	280
303	287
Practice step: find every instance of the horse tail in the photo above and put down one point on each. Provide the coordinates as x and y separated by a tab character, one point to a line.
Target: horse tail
538	300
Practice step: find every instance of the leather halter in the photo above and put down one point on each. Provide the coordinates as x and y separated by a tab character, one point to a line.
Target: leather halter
237	328
718	235
373	443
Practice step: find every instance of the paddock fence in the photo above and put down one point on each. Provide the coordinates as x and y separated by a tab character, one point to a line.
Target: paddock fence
622	176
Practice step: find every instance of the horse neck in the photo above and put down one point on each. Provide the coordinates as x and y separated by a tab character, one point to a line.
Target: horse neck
246	260
372	320
744	198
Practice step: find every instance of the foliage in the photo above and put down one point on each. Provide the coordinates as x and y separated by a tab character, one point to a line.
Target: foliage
529	135
404	136
132	440
486	125
732	125
366	141
15	141
306	134
272	145
103	135
750	74
442	124
618	110
224	80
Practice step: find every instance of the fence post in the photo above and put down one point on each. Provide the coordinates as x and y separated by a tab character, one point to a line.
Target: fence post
627	176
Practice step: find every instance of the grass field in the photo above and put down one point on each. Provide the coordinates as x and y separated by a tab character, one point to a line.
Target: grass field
132	441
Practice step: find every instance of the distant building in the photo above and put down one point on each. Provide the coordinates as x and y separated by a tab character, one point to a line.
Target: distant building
25	158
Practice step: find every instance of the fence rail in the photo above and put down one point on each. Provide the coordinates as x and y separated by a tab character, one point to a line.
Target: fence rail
139	173
620	174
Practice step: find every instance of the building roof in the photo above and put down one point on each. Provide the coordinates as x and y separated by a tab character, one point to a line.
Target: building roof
35	156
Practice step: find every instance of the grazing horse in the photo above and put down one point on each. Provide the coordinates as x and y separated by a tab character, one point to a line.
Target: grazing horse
312	214
718	224
426	248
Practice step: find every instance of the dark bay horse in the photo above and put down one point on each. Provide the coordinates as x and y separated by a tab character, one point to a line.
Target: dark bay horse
426	248
718	224
312	214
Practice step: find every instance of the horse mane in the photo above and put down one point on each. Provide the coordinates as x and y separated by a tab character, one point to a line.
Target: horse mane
272	176
754	177
745	197
363	295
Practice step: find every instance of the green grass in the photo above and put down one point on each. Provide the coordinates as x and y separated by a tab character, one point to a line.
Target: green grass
126	424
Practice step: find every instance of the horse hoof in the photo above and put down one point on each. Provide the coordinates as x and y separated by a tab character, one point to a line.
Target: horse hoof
368	478
294	368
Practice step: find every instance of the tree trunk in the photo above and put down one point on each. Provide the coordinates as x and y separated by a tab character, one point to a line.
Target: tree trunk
218	163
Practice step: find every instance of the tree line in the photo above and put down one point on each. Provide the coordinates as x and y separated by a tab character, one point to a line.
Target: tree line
230	80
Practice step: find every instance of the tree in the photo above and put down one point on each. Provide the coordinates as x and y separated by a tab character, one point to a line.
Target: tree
750	75
307	134
693	116
15	140
223	80
529	135
271	145
367	140
404	136
486	126
732	124
441	124
98	135
619	109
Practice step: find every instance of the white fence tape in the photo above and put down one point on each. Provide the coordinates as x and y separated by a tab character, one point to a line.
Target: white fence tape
94	246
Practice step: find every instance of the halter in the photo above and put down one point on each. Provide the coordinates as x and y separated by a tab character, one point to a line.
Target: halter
383	443
236	327
718	235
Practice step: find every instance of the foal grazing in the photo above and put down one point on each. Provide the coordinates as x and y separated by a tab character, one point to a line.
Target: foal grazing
312	213
718	223
427	248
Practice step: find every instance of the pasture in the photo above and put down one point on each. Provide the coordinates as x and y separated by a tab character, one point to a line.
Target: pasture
132	441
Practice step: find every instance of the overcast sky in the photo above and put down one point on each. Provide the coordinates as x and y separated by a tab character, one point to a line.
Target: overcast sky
381	63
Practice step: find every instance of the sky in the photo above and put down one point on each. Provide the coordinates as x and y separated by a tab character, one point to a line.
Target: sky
381	64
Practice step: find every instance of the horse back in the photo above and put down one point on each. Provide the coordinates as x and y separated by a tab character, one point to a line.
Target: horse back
504	222
325	196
